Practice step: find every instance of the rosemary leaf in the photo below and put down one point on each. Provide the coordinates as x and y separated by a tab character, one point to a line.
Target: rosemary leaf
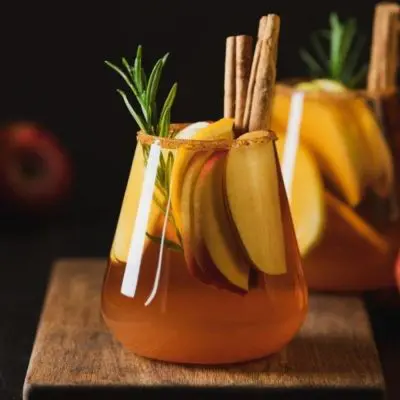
136	116
162	171
169	164
348	38
124	77
167	124
310	61
165	58
336	40
127	67
169	101
137	70
359	76
170	161
353	59
144	78
152	86
319	50
158	204
168	243
130	84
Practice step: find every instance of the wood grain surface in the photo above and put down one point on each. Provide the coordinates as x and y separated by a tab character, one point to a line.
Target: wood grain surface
74	354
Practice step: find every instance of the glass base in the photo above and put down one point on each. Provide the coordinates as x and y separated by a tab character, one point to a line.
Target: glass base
190	322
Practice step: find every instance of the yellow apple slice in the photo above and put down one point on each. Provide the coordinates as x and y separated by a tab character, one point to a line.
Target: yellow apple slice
253	199
222	129
216	229
378	155
352	255
332	139
126	220
308	205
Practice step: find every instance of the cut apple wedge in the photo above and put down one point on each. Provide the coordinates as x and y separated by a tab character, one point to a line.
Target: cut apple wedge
192	241
222	129
308	204
351	254
189	131
334	141
197	257
378	155
253	199
215	228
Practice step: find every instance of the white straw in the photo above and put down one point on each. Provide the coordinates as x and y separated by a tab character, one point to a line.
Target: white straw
132	269
292	141
160	255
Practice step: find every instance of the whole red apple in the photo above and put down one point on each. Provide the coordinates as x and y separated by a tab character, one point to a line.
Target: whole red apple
35	170
397	271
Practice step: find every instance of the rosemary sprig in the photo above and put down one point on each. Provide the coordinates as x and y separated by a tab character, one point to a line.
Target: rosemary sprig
340	61
145	90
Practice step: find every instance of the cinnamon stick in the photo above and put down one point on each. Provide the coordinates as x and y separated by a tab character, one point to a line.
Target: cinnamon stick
263	76
271	31
254	66
229	82
244	53
383	58
250	88
264	82
262	25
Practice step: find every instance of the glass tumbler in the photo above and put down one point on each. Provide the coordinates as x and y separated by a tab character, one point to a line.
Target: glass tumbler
204	267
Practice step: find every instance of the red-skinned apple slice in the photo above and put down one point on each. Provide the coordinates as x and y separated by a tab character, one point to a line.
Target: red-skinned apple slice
197	257
215	228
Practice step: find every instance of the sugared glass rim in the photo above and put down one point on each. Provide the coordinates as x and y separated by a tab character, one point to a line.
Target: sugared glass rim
202	145
286	86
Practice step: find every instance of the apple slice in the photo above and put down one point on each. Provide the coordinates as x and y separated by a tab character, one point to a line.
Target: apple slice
187	218
197	257
215	228
253	198
308	204
334	141
378	156
126	220
222	129
189	131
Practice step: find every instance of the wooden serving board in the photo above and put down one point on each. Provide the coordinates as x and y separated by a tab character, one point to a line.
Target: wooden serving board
74	356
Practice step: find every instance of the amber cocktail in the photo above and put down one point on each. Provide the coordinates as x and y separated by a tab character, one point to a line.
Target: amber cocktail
230	286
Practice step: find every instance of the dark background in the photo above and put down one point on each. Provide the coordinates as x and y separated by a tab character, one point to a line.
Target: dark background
52	72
